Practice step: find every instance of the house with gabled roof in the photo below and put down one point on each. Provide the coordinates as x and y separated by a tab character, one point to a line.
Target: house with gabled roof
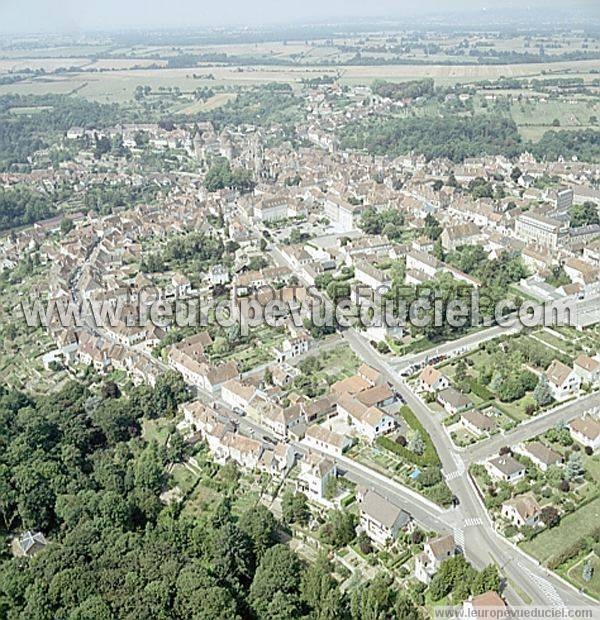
522	510
505	468
315	473
586	431
588	369
432	380
321	438
540	454
381	518
563	381
435	551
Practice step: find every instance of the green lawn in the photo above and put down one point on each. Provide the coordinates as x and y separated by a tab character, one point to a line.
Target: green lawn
183	478
156	430
574	574
572	528
201	500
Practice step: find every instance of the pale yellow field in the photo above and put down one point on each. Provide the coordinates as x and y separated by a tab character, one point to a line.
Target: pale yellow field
120	85
48	64
214	102
125	63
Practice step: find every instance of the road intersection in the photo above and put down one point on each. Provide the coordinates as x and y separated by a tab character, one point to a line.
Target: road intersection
469	520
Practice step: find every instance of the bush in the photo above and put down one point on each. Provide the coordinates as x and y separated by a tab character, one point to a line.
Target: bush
480	390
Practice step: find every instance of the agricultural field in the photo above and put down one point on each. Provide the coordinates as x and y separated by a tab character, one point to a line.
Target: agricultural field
214	102
535	118
117	84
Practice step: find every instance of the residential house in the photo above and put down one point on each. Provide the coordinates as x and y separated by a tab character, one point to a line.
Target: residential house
563	380
485	606
434	553
432	380
237	394
315	473
587	369
586	431
540	454
478	423
505	468
292	347
380	518
369	422
521	511
325	440
453	401
461	234
245	451
378	396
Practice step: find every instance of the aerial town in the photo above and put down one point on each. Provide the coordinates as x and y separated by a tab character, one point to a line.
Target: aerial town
294	468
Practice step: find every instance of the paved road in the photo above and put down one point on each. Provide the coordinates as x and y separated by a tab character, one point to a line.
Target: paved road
473	529
484	449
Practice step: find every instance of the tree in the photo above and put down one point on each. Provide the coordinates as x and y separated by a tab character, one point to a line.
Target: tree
320	591
588	571
177	447
149	471
260	526
488	579
232	558
461	376
339	530
542	393
451	573
584	215
66	225
433	229
405	609
268	377
294	508
279	573
550	516
364	543
373	600
516	174
416	443
575	467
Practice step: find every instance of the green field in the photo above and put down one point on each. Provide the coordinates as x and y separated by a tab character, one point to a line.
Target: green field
571	529
535	118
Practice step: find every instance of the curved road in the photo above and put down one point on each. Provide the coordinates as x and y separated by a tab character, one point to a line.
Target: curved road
470	522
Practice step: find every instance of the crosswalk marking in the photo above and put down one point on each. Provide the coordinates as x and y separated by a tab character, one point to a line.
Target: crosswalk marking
473	521
459	538
545	586
453	475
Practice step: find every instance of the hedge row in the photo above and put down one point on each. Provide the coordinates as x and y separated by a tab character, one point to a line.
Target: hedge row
480	390
429	456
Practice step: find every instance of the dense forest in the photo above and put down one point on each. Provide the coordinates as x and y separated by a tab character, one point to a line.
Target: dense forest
456	138
74	465
22	134
22	206
584	144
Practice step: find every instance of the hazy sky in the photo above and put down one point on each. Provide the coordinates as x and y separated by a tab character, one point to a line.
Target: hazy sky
73	15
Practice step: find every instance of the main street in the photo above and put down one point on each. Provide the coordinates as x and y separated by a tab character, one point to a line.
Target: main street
527	581
470	522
